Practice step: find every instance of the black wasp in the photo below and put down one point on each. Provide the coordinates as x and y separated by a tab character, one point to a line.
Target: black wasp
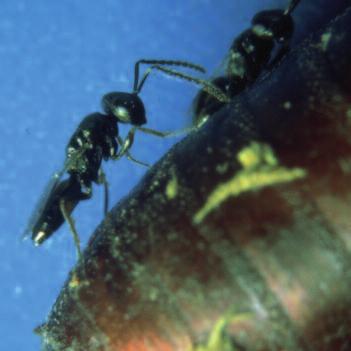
96	139
250	54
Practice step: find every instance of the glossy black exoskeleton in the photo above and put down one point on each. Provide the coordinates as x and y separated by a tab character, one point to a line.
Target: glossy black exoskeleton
255	50
65	193
96	139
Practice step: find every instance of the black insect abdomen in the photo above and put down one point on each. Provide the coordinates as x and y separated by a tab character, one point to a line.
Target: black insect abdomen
51	219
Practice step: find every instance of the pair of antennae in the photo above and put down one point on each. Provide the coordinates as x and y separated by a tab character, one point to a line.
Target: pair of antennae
158	65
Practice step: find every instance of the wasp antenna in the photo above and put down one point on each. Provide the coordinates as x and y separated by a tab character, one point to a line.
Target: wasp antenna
180	63
207	86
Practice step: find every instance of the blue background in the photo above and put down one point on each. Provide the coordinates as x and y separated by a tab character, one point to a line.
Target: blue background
57	59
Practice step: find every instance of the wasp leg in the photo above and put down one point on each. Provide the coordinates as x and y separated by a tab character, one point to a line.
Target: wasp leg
278	57
166	134
103	180
72	227
141	163
125	146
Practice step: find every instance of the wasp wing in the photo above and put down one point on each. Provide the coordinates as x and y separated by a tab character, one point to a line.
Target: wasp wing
43	202
72	162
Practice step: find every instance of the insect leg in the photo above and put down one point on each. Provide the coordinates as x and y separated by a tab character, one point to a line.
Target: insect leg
103	180
279	56
70	222
125	151
166	134
141	163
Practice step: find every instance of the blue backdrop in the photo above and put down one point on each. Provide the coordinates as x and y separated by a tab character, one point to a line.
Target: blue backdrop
57	59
